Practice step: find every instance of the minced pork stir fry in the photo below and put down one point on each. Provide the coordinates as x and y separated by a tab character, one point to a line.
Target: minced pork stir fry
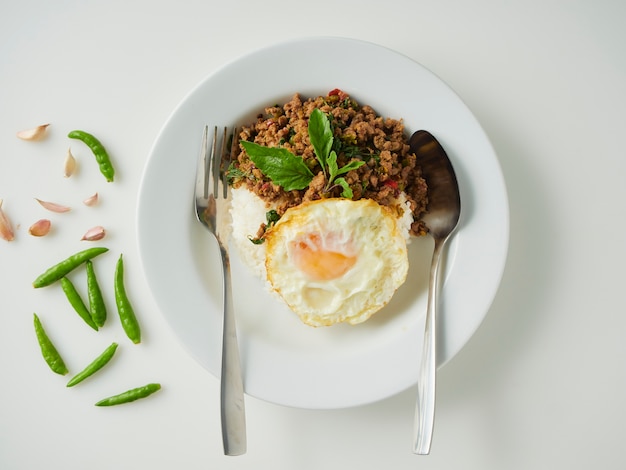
360	134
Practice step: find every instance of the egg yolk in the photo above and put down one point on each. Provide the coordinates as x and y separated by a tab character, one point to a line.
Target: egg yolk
319	259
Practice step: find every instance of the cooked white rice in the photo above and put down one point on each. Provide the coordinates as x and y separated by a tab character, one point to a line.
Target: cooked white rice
248	213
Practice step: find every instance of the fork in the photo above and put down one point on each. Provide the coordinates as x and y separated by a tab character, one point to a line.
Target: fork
211	202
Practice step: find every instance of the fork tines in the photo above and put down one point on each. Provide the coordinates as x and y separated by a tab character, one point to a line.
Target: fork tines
219	157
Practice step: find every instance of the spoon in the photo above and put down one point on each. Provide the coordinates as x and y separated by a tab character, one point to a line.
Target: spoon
442	217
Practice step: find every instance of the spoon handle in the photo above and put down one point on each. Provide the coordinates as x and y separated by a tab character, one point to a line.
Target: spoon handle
425	409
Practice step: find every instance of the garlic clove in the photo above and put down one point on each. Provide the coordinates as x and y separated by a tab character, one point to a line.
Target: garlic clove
40	228
93	234
70	164
51	206
36	133
6	230
91	200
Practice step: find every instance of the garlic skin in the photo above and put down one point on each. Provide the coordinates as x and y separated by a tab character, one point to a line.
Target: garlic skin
70	164
53	207
36	133
91	200
41	228
94	233
6	230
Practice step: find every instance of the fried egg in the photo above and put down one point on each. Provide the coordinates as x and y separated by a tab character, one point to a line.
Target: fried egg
336	260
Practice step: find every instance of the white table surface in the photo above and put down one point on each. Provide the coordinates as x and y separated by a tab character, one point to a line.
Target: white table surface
541	384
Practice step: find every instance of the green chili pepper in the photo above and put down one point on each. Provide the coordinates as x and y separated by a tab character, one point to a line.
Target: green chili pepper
49	352
98	150
97	308
59	270
124	307
130	395
77	302
97	364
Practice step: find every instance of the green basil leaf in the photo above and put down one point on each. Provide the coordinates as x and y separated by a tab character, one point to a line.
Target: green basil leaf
321	136
353	165
347	191
333	169
272	217
280	165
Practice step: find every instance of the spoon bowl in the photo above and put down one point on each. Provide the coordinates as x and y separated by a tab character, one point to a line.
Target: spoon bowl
444	201
442	218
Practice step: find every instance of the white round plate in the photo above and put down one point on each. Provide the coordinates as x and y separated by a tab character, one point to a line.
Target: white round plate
285	361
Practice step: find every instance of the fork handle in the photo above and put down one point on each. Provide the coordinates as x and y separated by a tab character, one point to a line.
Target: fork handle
425	409
231	390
